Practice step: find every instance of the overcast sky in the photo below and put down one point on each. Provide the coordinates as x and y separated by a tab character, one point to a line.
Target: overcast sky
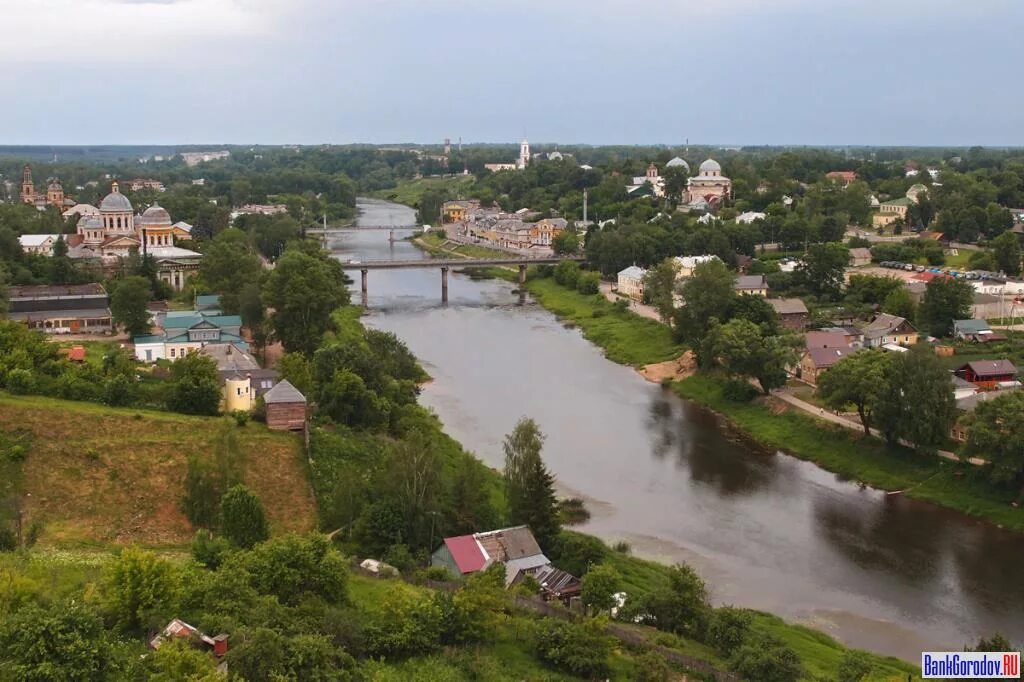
592	71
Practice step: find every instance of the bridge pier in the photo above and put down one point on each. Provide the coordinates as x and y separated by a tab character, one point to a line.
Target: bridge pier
365	288
522	275
444	285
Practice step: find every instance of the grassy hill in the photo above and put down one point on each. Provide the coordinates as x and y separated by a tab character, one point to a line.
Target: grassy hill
94	474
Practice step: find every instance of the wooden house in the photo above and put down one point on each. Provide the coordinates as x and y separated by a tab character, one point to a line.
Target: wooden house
286	408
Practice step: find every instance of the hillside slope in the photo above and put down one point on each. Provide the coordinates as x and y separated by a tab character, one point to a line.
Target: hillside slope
98	474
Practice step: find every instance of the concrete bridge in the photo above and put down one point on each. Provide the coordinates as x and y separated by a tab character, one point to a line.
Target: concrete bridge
444	264
325	232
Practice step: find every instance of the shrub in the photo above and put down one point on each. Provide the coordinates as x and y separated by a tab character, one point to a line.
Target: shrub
119	391
21	382
242	518
588	283
766	659
652	667
241	417
567	273
622	547
853	667
294	566
8	540
572	511
575	552
580	650
738	391
209	550
728	629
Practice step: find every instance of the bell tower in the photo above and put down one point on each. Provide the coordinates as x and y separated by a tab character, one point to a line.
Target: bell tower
28	189
524	154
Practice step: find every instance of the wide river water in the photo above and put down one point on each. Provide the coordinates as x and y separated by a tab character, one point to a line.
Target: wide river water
766	530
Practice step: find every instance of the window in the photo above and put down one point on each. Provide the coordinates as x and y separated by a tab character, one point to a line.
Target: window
172	352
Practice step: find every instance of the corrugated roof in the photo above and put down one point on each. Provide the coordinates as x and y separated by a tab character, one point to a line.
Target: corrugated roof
465	550
787	306
284	392
509	543
985	368
826	357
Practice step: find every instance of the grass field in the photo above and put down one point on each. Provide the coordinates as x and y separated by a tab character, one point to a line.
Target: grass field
626	338
409	192
97	475
435	243
844	452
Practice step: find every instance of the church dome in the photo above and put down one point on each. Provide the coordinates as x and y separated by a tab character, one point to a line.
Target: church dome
115	202
710	166
55	186
155	215
678	163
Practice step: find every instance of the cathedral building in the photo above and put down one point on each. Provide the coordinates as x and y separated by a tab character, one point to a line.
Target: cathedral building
116	232
54	195
709	187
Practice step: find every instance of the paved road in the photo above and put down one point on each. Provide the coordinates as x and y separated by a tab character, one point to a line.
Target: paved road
639	308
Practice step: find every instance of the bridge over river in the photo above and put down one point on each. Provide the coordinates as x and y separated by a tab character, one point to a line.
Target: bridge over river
444	264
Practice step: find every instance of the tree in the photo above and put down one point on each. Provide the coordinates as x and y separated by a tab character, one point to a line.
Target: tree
303	290
565	243
823	268
229	264
660	288
916	403
728	629
742	349
766	659
128	305
178	660
681	607
61	642
140	590
996	434
566	273
529	485
195	385
599	586
254	314
579	649
242	518
899	302
856	380
707	295
1006	249
854	666
945	299
293	567
588	283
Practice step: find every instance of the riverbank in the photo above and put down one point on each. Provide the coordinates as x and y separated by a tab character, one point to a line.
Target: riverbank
870	461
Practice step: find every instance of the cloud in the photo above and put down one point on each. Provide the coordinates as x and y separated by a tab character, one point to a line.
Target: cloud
95	31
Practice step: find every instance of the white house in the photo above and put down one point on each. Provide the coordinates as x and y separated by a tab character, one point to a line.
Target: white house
631	282
687	264
41	244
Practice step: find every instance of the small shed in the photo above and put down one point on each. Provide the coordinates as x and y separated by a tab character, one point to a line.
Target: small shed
286	407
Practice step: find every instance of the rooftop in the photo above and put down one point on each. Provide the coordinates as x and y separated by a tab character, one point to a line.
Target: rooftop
788	306
284	392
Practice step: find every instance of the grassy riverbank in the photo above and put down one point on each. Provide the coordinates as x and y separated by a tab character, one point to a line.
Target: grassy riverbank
626	338
411	191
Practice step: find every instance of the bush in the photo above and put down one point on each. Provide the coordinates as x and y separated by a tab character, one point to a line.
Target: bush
209	550
853	667
8	540
119	391
766	659
21	382
728	629
567	273
242	518
652	667
575	552
622	547
294	566
241	417
738	391
588	283
580	650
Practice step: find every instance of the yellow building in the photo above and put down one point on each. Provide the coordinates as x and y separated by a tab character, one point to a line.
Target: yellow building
237	394
890	211
455	211
543	232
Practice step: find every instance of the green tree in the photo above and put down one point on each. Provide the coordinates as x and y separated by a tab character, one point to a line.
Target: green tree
296	368
660	288
741	348
823	268
996	434
916	403
61	642
62	269
128	304
599	586
229	264
303	290
856	380
242	518
565	243
766	659
708	295
945	299
140	590
195	385
1006	249
588	283
293	567
579	649
529	485
899	302
567	273
177	660
728	629
854	666
680	607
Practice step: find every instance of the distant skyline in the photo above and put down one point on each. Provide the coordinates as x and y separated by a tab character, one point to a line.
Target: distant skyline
736	72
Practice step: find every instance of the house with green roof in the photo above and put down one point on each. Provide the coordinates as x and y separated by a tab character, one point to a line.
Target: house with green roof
183	332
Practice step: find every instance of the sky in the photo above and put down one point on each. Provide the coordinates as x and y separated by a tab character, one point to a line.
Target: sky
729	72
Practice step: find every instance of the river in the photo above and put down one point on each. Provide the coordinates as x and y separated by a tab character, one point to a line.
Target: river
766	530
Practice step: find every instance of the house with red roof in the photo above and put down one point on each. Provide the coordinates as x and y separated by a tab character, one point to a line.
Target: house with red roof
516	549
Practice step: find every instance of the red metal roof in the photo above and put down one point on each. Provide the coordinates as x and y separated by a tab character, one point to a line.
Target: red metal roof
466	553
